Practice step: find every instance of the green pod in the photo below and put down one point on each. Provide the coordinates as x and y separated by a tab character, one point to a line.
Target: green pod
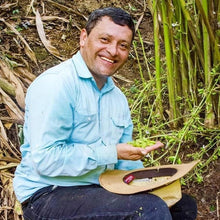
142	142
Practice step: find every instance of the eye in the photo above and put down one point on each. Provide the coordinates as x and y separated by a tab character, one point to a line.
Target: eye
104	40
124	46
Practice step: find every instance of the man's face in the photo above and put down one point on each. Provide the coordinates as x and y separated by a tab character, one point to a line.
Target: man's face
105	49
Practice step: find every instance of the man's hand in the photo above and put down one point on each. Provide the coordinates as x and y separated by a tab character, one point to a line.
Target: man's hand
128	152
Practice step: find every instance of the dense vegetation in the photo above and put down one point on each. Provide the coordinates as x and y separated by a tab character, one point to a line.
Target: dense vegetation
179	102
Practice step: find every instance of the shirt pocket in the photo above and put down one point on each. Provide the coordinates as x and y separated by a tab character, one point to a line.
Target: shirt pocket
118	126
81	118
85	126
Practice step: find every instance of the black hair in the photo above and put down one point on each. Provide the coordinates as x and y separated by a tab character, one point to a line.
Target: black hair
117	15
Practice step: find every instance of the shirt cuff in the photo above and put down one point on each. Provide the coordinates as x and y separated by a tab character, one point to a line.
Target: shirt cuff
106	155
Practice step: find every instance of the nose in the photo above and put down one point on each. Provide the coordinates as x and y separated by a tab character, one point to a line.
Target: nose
112	49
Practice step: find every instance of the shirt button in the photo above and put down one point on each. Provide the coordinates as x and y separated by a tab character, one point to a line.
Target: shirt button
89	118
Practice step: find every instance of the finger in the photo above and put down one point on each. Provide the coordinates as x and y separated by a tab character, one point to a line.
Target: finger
138	152
157	145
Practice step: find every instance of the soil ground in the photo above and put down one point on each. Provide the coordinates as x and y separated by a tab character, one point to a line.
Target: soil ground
62	31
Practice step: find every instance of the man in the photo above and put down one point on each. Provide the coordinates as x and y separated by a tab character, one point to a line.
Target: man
77	125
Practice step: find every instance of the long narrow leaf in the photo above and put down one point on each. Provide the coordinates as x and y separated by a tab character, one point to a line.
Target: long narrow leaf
19	92
157	59
191	27
210	116
170	81
3	132
12	108
40	29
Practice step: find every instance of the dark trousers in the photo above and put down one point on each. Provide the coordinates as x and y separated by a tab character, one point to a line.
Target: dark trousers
94	202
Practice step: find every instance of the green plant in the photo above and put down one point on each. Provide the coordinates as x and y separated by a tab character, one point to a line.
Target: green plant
15	11
179	102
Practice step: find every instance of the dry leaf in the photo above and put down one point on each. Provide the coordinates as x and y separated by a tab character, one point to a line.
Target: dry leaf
25	73
31	6
139	21
67	9
11	120
9	149
8	166
11	107
7	182
47	44
7	87
28	50
3	132
19	92
52	18
7	5
8	125
6	159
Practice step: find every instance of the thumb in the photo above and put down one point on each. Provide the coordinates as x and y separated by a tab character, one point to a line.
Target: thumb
144	151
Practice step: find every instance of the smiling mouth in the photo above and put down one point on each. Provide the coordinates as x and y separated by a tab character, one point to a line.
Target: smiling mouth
106	59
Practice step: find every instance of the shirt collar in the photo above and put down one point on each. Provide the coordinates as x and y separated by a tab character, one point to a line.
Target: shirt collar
81	67
83	72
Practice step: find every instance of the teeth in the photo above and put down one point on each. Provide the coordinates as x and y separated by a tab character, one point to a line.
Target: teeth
104	58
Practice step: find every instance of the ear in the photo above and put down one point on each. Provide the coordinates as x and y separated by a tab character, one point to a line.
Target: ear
83	37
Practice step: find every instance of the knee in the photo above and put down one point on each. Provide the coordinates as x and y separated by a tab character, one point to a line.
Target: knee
186	208
160	209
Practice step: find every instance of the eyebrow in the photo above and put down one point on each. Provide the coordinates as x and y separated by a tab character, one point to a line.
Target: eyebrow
109	35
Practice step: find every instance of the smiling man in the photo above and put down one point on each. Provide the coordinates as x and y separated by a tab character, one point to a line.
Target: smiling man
105	49
77	125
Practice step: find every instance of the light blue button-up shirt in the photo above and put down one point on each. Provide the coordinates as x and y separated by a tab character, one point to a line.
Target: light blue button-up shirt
71	129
